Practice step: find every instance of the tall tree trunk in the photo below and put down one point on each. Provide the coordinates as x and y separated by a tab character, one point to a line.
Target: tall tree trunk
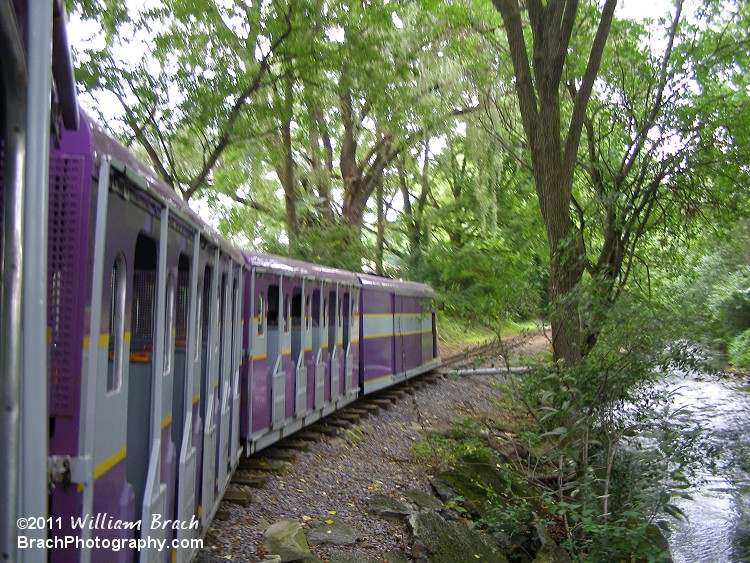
379	243
285	170
553	156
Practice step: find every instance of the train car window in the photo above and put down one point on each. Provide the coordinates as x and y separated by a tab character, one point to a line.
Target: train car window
272	315
144	294
287	313
325	313
222	326
169	324
183	301
296	323
344	316
235	304
332	321
316	307
297	308
198	333
208	278
261	314
204	310
307	312
118	291
355	307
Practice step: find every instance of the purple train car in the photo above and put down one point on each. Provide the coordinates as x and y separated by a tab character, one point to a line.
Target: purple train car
172	354
169	353
398	333
144	335
303	361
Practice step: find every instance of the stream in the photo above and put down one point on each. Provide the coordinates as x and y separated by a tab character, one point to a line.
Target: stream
717	527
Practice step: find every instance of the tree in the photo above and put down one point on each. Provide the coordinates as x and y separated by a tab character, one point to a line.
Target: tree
190	96
553	140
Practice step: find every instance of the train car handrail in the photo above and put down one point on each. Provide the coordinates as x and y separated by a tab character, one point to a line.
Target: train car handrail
14	98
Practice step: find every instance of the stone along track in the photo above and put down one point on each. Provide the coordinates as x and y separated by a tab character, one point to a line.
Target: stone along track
330	477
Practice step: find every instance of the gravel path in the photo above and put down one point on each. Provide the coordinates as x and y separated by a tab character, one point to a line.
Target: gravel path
335	478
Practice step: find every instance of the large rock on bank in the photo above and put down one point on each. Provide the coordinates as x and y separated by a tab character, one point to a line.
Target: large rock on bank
334	533
440	541
287	540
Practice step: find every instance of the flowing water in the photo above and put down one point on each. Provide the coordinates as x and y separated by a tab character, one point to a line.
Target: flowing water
717	527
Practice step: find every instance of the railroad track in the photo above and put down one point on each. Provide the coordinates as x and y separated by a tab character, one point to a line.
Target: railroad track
253	471
492	347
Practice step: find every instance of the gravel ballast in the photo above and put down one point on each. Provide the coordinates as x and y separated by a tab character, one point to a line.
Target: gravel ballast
337	476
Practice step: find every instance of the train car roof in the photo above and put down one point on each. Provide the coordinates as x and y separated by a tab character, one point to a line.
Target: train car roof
298	268
143	176
402	287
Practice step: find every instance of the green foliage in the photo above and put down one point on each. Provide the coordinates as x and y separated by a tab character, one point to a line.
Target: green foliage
434	448
712	288
466	440
609	489
739	350
512	517
486	281
730	303
455	330
334	245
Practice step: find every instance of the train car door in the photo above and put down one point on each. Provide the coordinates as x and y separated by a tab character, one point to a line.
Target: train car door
319	348
189	304
398	338
288	363
238	337
226	331
209	397
334	362
276	321
353	352
311	320
425	326
345	306
260	374
301	345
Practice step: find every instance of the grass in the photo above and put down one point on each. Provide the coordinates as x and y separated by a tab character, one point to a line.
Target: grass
459	331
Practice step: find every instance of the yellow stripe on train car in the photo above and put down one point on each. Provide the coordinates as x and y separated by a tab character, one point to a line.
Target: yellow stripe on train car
374	336
378	378
166	422
109	463
413	332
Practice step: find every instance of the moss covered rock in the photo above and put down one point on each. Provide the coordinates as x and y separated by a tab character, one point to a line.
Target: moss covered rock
441	541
